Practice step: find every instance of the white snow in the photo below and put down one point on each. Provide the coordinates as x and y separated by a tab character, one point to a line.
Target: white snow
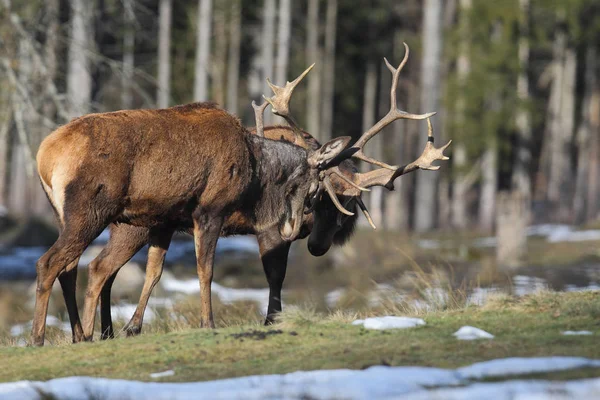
576	333
163	374
472	333
19	329
389	322
124	312
553	233
375	382
226	295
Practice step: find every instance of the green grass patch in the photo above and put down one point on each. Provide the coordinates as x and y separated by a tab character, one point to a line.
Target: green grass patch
306	340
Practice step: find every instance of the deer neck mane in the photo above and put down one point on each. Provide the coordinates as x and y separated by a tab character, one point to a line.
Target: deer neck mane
274	162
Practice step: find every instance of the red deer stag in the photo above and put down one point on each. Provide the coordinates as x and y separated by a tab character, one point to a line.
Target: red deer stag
198	202
333	227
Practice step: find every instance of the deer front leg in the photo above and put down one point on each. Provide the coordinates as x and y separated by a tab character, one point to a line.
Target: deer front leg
206	234
160	239
274	255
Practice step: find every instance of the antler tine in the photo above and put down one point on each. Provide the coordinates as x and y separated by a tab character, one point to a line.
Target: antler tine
365	211
258	116
394	114
331	192
280	102
385	178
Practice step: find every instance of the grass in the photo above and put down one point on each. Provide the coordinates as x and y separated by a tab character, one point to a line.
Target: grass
307	340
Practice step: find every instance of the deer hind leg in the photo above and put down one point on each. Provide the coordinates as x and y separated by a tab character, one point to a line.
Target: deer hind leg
68	283
124	242
159	245
274	255
206	233
71	243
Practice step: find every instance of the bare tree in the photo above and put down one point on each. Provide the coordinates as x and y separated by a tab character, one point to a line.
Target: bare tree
328	83
128	54
489	160
587	129
463	66
202	63
314	80
560	125
522	163
79	79
283	41
233	62
163	92
425	210
368	120
267	46
219	54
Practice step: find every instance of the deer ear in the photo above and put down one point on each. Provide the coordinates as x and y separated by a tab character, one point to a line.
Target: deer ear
327	152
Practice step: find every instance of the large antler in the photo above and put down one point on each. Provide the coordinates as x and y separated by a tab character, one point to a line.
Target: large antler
356	151
280	102
385	177
392	115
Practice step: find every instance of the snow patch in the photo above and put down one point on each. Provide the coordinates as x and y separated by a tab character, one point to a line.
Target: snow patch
226	295
375	382
472	333
389	322
575	333
163	374
19	329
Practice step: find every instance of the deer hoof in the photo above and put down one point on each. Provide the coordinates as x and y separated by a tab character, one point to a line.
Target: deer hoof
133	330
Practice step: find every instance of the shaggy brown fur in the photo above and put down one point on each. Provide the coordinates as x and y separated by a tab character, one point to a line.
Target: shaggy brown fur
126	240
187	167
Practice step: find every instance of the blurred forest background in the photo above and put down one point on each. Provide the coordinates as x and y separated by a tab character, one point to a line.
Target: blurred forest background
516	84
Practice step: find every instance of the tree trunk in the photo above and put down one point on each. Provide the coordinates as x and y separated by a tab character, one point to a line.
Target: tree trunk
5	123
283	42
328	83
395	205
128	55
267	45
202	63
368	120
79	78
163	92
522	162
463	67
233	66
425	210
489	186
219	57
584	136
560	128
314	79
489	162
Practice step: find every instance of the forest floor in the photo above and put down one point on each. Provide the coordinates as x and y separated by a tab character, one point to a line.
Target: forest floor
526	326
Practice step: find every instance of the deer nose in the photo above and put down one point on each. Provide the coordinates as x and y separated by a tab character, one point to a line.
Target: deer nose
316	250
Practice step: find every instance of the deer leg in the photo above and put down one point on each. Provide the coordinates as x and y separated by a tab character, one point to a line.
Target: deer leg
206	234
274	256
68	248
107	331
68	283
159	244
124	242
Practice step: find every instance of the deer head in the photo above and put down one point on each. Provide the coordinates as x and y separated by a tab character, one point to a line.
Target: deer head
329	171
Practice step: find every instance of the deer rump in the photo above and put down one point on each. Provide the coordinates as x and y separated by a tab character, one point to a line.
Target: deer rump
148	167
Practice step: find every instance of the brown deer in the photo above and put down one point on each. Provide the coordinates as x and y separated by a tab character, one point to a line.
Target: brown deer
149	181
334	227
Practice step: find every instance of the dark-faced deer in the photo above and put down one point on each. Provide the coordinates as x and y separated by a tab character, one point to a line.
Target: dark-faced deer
239	173
326	225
